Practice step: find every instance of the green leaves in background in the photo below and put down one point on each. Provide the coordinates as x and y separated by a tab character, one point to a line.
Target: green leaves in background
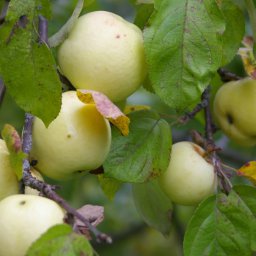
186	42
13	143
224	225
26	66
60	240
144	153
153	205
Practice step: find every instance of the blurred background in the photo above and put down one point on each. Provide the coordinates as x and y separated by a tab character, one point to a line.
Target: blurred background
130	234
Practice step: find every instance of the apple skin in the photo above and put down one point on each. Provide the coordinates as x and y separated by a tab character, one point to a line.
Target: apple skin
189	178
8	180
23	219
78	140
105	53
234	111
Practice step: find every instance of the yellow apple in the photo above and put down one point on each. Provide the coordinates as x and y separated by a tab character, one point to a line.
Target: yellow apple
77	140
23	219
38	176
8	180
234	111
105	53
189	178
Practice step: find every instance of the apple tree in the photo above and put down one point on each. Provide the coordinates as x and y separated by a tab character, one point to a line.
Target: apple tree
149	101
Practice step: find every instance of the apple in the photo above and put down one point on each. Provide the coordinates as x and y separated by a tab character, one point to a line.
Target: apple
234	106
9	184
189	177
105	53
23	219
38	176
78	140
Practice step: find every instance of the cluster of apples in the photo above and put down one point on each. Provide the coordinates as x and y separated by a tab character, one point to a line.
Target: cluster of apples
103	52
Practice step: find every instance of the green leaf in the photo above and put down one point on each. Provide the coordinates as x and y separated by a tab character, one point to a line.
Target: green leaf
142	155
223	225
143	12
185	43
60	240
153	205
109	186
13	143
31	77
235	28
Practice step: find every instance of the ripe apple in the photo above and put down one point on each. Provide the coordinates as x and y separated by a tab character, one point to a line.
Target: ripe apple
105	53
189	178
38	176
77	140
234	110
23	219
8	180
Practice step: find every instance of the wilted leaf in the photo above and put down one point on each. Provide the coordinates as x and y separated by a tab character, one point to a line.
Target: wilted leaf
105	106
153	205
60	240
248	58
223	225
142	155
13	142
248	170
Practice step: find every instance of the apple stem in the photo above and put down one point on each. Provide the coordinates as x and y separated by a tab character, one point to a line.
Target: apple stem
209	130
47	189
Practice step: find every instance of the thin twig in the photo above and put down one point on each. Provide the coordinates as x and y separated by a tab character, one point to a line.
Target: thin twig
210	145
43	30
227	76
2	90
4	12
47	189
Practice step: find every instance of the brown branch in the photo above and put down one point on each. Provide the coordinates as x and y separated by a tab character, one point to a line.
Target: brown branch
2	90
43	30
4	12
227	76
47	189
210	145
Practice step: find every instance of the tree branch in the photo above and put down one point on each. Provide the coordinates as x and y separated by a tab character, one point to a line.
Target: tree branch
227	76
43	30
47	189
2	90
3	12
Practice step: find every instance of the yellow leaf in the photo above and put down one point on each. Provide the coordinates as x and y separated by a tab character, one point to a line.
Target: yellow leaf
131	108
248	170
108	109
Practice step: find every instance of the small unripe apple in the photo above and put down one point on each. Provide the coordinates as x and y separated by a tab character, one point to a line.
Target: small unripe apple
189	178
105	53
234	111
77	140
23	219
38	176
8	180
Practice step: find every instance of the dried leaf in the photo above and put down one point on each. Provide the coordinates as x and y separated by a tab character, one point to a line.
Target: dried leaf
248	170
248	58
106	108
93	213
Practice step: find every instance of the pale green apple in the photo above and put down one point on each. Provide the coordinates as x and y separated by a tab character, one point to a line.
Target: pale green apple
189	177
78	140
8	180
23	219
105	53
234	111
